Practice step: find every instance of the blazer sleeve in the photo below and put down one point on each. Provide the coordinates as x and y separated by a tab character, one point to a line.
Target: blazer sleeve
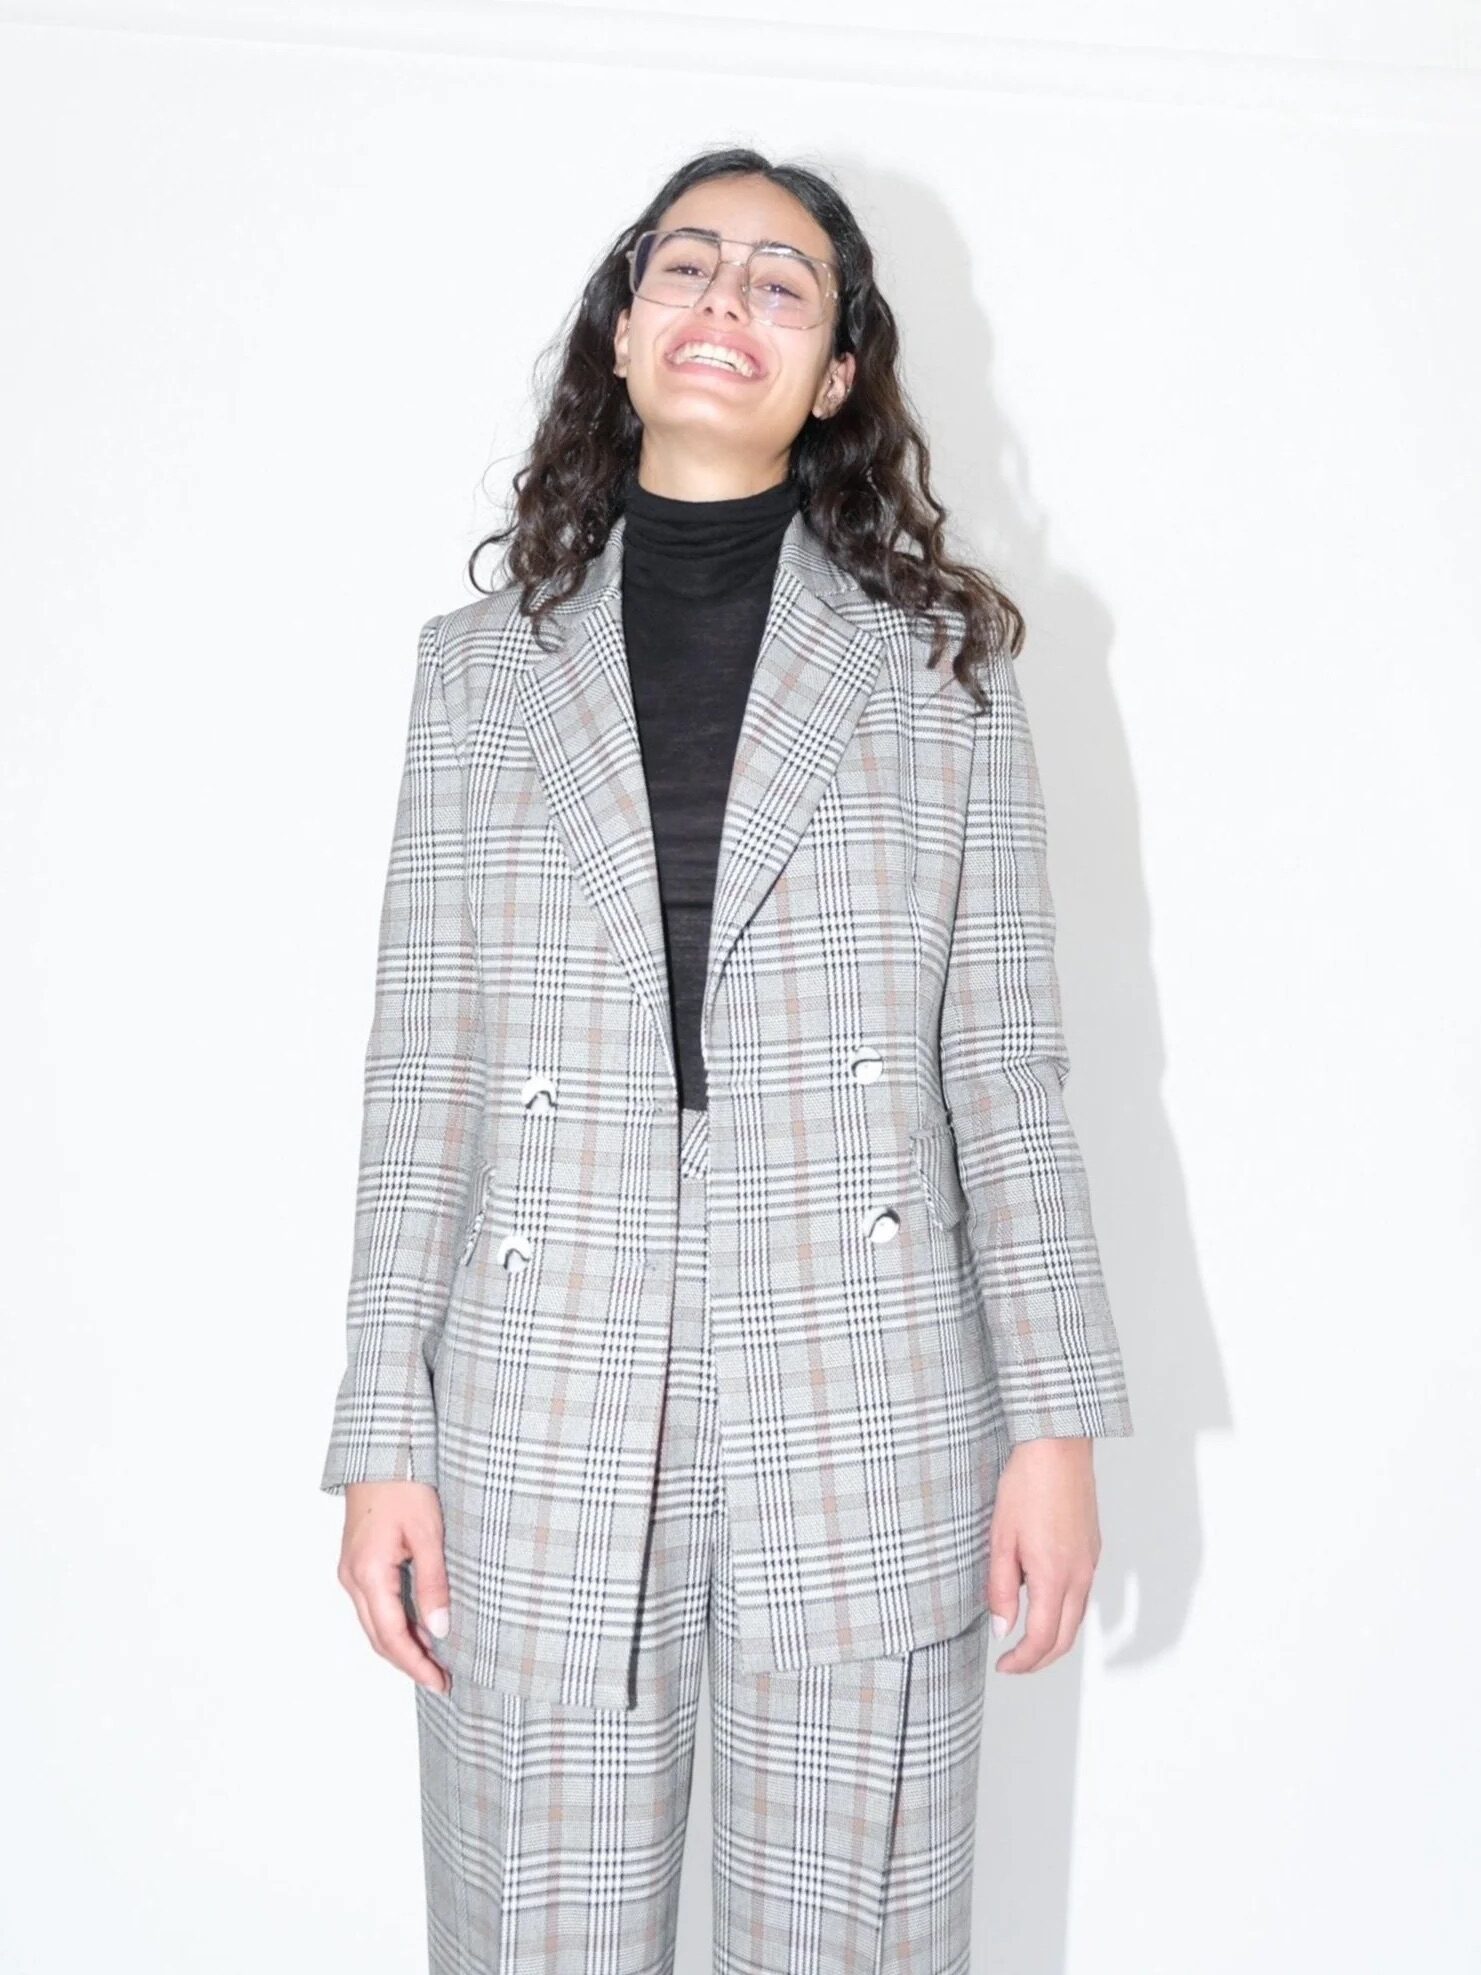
424	1085
1003	1064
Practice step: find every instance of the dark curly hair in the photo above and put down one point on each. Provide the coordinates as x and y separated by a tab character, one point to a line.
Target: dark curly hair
863	475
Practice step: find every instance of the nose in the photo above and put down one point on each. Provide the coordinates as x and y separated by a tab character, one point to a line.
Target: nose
725	293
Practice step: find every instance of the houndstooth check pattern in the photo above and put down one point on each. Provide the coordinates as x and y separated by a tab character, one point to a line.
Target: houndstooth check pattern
903	1279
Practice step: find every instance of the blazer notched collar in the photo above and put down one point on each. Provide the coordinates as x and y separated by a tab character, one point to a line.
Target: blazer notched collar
817	663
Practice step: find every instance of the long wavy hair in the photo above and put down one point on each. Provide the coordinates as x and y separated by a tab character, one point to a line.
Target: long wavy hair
863	475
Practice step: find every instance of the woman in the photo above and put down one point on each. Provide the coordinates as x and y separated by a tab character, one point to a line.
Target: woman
724	1272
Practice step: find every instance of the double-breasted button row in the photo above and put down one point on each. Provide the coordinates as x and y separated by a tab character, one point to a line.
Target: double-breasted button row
866	1066
536	1094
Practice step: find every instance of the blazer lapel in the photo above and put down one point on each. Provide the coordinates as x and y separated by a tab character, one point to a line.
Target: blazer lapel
578	710
813	673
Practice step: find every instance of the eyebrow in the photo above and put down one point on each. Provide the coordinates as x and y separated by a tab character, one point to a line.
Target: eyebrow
714	233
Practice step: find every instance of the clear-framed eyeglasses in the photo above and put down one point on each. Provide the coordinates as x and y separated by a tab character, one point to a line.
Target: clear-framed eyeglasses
675	266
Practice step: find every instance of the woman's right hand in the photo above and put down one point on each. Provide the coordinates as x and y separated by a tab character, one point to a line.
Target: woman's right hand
388	1523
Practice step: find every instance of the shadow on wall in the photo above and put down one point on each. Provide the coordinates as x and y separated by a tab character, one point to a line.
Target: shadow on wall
1147	1484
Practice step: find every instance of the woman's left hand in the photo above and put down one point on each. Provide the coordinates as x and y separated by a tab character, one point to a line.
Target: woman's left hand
1045	1529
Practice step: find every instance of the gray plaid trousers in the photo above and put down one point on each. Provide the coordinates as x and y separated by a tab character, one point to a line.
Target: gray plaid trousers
844	1794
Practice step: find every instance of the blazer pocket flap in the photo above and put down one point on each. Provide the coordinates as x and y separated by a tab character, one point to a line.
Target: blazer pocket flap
474	1218
933	1148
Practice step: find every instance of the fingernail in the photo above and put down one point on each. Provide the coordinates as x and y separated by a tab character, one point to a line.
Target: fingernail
438	1622
999	1625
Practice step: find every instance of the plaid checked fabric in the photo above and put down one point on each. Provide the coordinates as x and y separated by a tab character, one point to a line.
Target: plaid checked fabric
844	1796
903	1274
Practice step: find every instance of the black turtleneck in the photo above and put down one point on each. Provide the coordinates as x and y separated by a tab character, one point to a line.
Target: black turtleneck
697	579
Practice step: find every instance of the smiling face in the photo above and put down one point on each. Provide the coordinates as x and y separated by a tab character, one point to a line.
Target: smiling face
713	428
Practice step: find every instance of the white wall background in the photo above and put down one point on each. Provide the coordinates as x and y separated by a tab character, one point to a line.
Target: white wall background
1192	313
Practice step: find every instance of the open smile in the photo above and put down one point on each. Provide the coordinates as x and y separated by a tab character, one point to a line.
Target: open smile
703	353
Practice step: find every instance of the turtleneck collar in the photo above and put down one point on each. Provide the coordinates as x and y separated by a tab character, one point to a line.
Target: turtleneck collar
704	549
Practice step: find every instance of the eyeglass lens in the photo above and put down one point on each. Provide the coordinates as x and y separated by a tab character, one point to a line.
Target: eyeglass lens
675	269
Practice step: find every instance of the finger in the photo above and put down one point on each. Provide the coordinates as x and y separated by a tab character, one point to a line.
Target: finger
393	1636
1045	1602
1077	1598
1071	1612
349	1578
362	1612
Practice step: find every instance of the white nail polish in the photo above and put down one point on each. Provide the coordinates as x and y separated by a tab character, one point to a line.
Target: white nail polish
999	1625
438	1622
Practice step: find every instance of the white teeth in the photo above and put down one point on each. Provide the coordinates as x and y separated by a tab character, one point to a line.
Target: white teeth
714	353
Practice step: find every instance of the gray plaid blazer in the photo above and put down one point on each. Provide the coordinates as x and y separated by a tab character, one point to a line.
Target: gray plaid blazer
903	1275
